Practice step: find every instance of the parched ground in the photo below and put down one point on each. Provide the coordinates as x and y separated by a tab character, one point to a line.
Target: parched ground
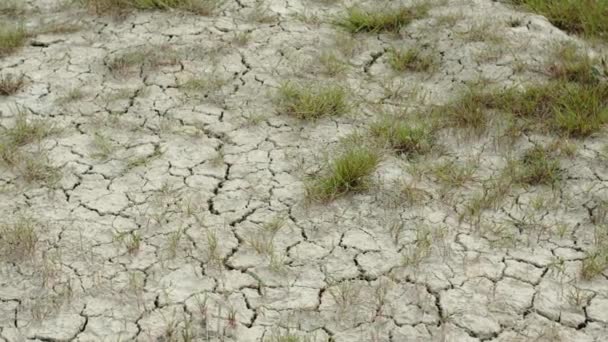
167	202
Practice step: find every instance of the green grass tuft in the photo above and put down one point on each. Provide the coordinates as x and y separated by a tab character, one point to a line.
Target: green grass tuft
411	60
358	19
572	65
312	101
586	17
406	139
467	112
538	166
570	109
350	172
12	37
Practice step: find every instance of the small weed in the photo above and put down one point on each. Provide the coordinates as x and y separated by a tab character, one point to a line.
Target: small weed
332	64
404	138
311	101
358	19
36	168
350	172
346	294
73	95
23	132
421	249
411	60
103	146
241	38
409	193
586	17
144	160
174	242
130	240
596	260
11	84
12	37
490	197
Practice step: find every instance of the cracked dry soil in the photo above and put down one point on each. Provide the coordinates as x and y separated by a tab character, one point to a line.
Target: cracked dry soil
179	212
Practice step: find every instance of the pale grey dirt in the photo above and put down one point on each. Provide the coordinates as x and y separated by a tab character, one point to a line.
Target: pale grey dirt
211	181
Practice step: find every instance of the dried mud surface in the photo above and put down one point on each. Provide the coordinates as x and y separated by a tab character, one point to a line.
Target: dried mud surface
180	215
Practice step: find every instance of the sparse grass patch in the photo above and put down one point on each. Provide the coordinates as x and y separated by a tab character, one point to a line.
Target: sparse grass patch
538	166
12	37
452	174
358	19
200	7
103	146
72	95
18	239
25	131
208	87
11	84
572	65
403	137
493	193
586	17
35	167
467	112
149	57
484	31
567	108
596	260
350	172
572	109
413	59
332	64
312	101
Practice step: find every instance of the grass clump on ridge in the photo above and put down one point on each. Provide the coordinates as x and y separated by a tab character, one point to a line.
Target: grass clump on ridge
350	172
567	108
586	17
358	19
312	101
